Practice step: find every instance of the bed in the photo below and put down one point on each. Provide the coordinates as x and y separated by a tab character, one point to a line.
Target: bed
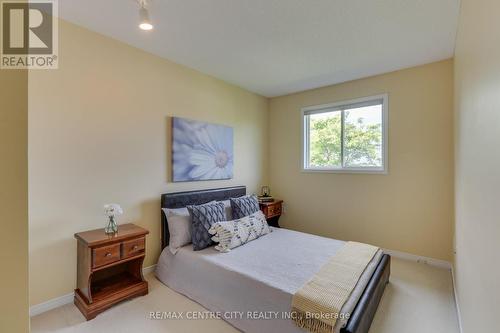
258	280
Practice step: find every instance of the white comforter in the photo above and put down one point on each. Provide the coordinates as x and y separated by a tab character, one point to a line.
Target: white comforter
260	276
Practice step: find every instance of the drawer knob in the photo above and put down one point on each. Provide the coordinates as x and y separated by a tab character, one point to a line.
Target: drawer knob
135	247
108	254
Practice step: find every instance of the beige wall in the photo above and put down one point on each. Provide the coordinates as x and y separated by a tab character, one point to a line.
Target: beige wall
411	208
98	134
477	181
14	201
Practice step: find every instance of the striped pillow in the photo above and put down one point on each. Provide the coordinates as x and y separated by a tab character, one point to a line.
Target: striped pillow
244	206
204	216
231	234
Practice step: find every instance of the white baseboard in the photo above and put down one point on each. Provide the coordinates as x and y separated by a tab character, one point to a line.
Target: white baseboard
51	304
421	259
147	270
67	299
455	294
433	262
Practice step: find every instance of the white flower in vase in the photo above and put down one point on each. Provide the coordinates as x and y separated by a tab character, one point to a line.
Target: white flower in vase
112	211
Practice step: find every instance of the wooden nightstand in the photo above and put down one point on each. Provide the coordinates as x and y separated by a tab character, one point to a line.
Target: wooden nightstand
272	211
109	268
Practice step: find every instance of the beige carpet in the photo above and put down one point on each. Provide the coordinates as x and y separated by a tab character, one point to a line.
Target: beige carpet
418	299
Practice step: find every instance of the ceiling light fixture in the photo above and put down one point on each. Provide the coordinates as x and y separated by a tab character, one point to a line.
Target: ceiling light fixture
145	20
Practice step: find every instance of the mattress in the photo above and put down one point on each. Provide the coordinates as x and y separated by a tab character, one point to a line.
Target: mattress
251	287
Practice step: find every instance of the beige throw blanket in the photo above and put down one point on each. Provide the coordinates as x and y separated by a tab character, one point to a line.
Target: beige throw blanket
316	305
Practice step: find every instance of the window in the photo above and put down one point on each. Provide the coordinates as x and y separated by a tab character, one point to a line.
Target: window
350	136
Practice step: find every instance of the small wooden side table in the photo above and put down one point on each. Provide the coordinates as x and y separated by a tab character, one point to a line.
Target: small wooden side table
109	268
272	210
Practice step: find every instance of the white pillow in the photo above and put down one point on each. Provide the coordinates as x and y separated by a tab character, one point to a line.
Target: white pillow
179	227
231	234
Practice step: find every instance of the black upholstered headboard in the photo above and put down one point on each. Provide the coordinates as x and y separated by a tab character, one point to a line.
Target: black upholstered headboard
182	199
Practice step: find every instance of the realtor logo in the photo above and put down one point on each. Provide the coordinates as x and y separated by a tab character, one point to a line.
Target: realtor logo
29	34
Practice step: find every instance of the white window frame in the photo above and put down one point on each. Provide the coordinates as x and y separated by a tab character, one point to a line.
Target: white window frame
340	106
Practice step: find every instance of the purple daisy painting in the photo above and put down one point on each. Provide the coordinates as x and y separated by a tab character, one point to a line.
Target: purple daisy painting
201	151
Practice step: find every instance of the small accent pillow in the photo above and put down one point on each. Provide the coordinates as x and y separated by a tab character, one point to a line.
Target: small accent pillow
244	206
203	217
179	227
231	234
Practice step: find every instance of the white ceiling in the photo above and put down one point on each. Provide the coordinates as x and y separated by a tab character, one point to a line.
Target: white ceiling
277	47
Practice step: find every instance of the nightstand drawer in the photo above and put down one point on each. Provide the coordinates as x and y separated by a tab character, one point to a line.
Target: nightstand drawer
133	247
274	210
105	255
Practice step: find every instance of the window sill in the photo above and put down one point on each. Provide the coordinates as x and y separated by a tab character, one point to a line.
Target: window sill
376	171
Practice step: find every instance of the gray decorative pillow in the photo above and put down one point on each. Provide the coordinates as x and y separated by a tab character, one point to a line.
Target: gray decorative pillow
203	217
244	206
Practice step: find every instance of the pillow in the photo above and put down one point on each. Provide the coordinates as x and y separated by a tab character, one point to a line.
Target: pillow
229	211
203	217
244	206
231	234
179	227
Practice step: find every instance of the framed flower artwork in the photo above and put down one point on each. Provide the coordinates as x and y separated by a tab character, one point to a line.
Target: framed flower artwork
201	151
